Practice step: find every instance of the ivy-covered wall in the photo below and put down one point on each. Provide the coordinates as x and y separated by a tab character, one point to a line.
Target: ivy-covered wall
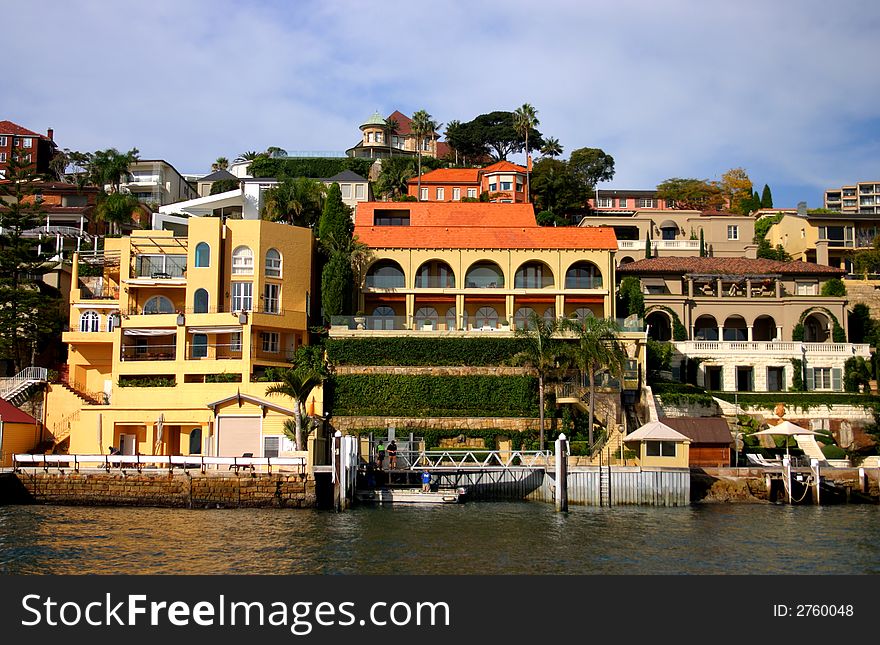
435	396
422	351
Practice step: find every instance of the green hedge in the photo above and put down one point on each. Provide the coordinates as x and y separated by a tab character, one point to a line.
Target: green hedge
315	168
799	400
423	351
681	394
435	396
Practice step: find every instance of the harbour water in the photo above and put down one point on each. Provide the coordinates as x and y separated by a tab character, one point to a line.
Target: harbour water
488	538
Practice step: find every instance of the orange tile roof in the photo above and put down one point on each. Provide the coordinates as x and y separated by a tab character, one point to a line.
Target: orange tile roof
503	166
8	127
449	176
474	225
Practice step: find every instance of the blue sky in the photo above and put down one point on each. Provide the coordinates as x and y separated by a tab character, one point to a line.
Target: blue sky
787	89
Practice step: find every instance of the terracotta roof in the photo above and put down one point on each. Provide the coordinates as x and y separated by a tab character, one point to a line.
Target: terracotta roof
735	266
403	122
713	430
11	414
449	176
8	127
503	166
474	225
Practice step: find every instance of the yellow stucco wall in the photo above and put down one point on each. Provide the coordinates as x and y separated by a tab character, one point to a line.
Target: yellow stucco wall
17	438
680	460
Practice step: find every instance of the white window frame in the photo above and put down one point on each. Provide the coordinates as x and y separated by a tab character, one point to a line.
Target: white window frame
360	192
2	157
89	322
242	261
242	296
345	189
270	342
3	140
424	195
270	439
456	194
441	193
806	288
27	142
472	193
273	264
822	374
506	185
272	298
732	231
621	202
235	341
645	202
604	202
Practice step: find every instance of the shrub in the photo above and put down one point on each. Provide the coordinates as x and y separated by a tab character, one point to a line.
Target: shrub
315	168
146	381
834	287
423	351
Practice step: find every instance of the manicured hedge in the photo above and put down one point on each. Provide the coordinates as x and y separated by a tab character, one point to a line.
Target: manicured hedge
423	351
313	167
435	396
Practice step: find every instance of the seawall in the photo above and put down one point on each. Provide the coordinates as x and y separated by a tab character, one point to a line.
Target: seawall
163	489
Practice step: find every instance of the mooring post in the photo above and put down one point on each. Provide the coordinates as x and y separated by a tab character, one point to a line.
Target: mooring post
814	466
863	480
338	472
561	474
786	473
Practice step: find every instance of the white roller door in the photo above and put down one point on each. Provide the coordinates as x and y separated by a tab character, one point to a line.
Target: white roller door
238	435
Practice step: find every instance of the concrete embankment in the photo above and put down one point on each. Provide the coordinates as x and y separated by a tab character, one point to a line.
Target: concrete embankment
750	485
163	489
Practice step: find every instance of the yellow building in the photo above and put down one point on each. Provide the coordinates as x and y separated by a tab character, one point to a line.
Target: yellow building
169	343
825	238
19	432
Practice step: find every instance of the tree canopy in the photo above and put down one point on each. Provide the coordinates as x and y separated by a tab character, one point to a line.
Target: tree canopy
294	201
590	166
696	194
494	134
736	186
554	187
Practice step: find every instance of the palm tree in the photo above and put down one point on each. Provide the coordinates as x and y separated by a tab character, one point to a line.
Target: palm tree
540	354
296	383
250	155
294	201
551	147
391	128
394	176
275	151
421	126
116	210
596	347
222	163
525	118
111	166
451	129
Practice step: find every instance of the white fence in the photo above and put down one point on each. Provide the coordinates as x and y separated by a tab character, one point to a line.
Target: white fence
156	462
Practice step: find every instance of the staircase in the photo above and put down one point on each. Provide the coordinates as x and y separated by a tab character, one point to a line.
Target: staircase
17	389
62	428
91	398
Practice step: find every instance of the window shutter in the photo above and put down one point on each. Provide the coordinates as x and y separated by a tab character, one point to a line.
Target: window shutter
836	377
810	380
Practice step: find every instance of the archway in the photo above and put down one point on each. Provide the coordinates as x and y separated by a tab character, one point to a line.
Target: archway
659	325
484	275
706	328
764	328
735	329
435	274
817	328
583	275
385	274
533	275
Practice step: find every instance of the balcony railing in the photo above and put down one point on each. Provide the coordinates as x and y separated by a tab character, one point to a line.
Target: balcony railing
793	349
148	353
384	282
214	352
663	245
435	282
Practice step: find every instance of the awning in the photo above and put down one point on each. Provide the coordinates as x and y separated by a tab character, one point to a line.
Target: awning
668	224
653	282
214	330
149	332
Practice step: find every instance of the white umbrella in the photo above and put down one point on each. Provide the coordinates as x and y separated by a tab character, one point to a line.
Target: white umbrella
784	429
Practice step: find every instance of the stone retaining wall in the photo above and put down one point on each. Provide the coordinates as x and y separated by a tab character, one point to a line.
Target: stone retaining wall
180	490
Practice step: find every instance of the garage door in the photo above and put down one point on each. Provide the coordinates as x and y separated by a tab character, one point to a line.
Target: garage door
238	435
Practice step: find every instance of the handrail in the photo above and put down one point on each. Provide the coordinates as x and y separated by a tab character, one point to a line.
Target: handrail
24	376
492	459
152	462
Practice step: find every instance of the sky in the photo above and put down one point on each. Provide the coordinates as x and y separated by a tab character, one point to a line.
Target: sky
787	89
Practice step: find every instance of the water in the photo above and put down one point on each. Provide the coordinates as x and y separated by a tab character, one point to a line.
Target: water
473	538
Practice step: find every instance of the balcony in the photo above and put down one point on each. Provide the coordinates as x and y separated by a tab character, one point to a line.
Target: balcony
659	245
160	266
770	348
148	353
214	352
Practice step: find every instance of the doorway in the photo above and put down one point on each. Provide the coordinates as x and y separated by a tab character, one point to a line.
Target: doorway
713	378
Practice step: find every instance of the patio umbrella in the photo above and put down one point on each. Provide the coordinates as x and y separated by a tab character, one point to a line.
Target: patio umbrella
784	429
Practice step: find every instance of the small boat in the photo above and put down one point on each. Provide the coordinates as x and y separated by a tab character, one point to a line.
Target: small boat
410	496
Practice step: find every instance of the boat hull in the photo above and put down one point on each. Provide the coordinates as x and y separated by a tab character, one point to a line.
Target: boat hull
398	496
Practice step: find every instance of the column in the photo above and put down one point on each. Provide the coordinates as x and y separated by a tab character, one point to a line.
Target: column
749	292
690	287
410	310
778	332
461	315
778	288
718	286
560	306
749	333
720	332
508	309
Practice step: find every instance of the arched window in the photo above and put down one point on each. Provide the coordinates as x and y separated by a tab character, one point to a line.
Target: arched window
158	305
435	274
485	275
426	315
550	313
273	263
195	441
533	275
486	317
242	261
581	313
383	318
200	301
386	274
200	346
203	255
583	275
522	318
451	323
89	321
112	321
659	326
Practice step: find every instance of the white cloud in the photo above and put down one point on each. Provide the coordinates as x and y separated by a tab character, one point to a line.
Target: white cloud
688	88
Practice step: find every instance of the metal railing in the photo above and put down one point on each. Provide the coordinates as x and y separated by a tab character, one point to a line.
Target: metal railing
148	352
214	352
25	377
482	459
155	462
771	347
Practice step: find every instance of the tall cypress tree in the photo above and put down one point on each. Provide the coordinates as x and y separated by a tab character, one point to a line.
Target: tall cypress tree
702	245
335	230
28	311
766	197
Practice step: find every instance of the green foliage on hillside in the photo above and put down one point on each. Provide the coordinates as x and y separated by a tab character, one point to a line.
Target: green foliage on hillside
313	167
423	351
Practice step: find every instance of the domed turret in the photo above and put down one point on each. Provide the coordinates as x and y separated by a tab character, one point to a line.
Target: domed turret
374	121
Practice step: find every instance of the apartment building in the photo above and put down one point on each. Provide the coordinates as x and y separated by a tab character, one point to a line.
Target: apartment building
169	347
825	238
37	149
503	182
157	183
862	197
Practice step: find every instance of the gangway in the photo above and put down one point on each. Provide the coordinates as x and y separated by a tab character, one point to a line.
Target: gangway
482	460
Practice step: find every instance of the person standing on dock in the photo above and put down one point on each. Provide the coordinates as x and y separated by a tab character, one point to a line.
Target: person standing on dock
380	454
392	455
426	481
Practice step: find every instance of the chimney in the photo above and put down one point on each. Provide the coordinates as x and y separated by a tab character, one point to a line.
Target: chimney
802	209
51	134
